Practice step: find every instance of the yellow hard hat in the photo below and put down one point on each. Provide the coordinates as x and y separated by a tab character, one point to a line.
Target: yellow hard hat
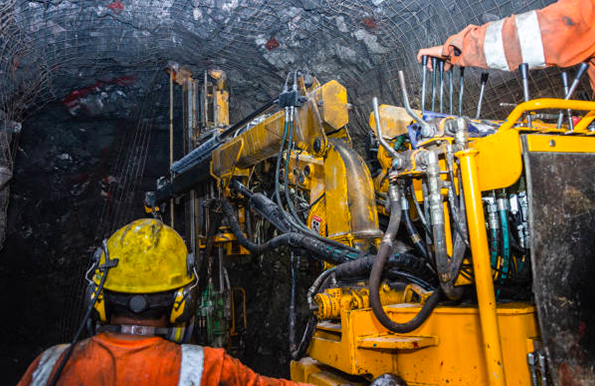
152	257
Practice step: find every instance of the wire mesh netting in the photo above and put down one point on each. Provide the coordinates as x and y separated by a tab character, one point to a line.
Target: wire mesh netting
48	48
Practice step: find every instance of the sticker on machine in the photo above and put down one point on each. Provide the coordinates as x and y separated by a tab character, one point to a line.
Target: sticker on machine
315	224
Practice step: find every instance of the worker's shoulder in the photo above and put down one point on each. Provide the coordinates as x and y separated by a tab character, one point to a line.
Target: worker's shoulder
54	352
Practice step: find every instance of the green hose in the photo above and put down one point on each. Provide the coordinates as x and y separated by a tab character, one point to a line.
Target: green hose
505	244
494	248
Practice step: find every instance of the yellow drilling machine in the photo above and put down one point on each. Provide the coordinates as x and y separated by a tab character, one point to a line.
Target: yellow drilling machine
457	252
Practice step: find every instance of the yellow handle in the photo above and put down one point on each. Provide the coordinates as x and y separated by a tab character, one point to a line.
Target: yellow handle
551	103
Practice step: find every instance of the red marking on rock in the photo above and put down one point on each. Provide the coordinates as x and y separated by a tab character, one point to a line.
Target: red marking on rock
73	98
369	22
116	6
565	375
582	328
272	44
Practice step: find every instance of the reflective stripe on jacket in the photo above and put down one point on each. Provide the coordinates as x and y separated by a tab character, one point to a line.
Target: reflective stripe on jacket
105	360
561	34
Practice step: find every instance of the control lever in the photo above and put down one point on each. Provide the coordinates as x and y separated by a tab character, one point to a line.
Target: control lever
524	68
565	85
441	66
577	78
484	80
434	68
426	129
461	89
424	71
389	149
450	91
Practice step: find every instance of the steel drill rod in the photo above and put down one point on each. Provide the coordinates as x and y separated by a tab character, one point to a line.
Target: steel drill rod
484	80
565	85
441	66
524	68
461	89
434	64
424	71
577	78
450	91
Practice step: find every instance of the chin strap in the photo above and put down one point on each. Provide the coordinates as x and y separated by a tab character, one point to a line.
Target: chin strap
131	329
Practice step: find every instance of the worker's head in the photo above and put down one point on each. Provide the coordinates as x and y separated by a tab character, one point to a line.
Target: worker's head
153	275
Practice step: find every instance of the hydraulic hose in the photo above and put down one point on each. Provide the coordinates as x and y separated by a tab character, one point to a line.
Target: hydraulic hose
419	211
298	352
502	209
279	218
376	274
416	238
294	268
460	244
326	252
382	317
410	265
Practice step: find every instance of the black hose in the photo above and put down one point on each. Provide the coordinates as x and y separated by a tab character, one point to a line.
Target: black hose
395	273
294	267
383	318
376	277
419	211
298	353
326	252
279	218
406	263
416	238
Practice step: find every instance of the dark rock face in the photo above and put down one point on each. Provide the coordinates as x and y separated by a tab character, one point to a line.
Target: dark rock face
85	81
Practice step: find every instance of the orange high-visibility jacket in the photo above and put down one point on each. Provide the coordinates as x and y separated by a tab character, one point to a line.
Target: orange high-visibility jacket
105	360
561	34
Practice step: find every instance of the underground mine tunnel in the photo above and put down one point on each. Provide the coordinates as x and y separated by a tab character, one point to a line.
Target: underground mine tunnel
308	196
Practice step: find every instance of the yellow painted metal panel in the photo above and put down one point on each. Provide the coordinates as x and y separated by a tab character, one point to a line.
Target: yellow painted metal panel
499	160
393	121
394	342
456	359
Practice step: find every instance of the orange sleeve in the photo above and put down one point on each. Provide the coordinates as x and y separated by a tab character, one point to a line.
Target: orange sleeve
221	369
566	29
26	379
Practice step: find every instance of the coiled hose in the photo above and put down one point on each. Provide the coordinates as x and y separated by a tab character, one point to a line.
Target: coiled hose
376	275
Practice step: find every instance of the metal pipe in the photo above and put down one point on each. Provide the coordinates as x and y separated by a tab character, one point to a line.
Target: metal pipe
243	122
424	71
392	152
577	78
426	130
484	80
481	268
461	89
524	68
550	103
441	67
437	219
434	62
566	88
